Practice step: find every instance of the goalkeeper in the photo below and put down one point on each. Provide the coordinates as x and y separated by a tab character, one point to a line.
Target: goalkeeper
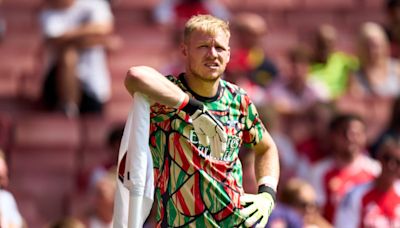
198	122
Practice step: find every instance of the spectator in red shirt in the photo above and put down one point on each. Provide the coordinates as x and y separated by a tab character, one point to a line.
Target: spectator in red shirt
347	166
377	203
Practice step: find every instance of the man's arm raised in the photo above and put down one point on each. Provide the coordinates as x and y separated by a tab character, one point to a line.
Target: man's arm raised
154	85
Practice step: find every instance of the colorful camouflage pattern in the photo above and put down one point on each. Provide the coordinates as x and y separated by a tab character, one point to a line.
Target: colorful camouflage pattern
191	188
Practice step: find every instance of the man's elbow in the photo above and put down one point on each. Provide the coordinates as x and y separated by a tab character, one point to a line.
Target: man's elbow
133	78
107	29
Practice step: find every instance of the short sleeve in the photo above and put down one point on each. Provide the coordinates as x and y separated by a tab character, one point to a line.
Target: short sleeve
253	128
161	110
9	211
101	12
52	25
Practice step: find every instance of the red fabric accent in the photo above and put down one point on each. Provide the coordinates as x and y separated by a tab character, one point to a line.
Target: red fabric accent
184	103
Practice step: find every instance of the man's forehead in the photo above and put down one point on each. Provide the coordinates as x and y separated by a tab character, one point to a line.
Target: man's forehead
218	35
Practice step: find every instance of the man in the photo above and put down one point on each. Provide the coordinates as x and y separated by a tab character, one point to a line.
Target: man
197	124
348	165
76	32
376	203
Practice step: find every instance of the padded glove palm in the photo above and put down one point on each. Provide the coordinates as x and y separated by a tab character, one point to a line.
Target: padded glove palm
209	131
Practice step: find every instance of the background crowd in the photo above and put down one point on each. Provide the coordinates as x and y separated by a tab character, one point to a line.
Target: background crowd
324	76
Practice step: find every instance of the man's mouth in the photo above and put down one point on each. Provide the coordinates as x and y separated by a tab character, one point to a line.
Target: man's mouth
212	65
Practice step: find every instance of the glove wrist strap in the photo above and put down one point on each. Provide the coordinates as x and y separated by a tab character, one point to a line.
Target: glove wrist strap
192	106
267	189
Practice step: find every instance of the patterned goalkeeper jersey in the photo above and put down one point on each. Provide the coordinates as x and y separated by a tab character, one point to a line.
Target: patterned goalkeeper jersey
193	189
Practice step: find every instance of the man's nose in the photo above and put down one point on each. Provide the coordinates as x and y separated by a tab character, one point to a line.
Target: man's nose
212	51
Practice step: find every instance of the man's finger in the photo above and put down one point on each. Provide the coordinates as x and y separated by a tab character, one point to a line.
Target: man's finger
252	219
221	134
217	147
245	212
263	222
203	139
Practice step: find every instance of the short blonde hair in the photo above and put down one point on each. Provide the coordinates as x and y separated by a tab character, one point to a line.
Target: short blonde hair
205	23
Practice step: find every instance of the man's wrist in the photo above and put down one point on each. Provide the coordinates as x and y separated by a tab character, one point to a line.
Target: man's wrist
192	106
267	189
269	181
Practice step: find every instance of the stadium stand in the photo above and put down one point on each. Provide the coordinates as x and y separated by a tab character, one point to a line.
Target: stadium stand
47	150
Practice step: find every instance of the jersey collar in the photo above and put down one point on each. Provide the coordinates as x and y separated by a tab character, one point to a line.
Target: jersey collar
197	96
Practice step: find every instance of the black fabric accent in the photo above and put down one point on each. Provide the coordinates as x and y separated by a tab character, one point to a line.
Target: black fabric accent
267	189
50	98
197	96
192	106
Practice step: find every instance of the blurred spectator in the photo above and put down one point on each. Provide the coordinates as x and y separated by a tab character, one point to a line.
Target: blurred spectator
173	13
9	214
76	33
392	130
379	74
330	67
67	222
316	146
375	204
288	156
88	178
284	217
110	163
291	95
299	196
392	26
347	166
374	86
100	211
249	66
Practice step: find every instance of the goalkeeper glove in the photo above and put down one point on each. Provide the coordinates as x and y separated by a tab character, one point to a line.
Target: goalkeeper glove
258	207
208	129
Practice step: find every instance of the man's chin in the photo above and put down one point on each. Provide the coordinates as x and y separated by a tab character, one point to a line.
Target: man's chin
209	77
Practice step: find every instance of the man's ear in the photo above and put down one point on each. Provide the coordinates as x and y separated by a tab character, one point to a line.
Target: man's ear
184	49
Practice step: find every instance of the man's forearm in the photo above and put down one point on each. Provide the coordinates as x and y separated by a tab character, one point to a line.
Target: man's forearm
84	36
90	29
266	160
154	85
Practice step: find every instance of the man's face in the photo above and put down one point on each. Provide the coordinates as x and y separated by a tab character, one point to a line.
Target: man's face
206	54
390	160
350	139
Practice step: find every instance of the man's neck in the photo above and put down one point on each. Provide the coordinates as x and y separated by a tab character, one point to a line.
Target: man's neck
202	87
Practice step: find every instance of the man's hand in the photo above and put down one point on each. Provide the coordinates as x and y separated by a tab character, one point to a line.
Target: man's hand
209	131
256	207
